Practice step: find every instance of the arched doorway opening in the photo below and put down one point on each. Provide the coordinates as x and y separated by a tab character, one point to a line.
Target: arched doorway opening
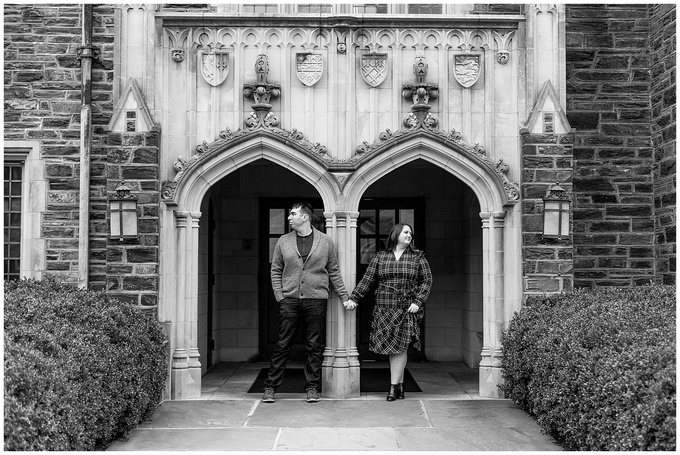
243	215
445	215
197	190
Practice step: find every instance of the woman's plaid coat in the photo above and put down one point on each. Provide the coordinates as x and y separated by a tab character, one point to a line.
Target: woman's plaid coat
399	284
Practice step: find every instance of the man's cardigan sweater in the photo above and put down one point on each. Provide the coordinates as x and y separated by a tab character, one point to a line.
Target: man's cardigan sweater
291	277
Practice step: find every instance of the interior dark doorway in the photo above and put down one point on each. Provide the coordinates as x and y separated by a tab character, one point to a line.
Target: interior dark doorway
376	219
274	223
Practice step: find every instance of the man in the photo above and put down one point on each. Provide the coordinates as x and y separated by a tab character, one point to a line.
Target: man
304	262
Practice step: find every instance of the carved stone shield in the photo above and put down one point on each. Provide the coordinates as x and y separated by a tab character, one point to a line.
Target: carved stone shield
466	69
374	68
309	67
214	66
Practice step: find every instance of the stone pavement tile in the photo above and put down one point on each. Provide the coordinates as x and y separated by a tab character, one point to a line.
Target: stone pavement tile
200	414
472	438
223	439
339	413
454	413
353	439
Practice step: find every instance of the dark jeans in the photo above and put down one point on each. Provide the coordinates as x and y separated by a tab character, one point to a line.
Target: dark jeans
294	313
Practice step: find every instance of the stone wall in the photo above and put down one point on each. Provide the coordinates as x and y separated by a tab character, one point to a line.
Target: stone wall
548	263
608	103
662	60
42	103
131	266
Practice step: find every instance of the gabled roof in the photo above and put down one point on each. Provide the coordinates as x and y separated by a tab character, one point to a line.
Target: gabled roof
132	100
547	101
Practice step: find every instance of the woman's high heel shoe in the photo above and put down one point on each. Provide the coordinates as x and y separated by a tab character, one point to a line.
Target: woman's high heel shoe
392	394
400	391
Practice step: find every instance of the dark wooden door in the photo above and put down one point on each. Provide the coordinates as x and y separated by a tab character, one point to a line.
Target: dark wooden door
273	224
376	219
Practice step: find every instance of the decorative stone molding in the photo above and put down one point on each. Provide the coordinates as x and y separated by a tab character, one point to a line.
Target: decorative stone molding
258	124
503	45
420	122
373	40
177	54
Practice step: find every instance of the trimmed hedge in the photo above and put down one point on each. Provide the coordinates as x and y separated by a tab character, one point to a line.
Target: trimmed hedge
81	369
596	368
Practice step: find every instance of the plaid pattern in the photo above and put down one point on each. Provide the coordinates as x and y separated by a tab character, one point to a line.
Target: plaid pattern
400	283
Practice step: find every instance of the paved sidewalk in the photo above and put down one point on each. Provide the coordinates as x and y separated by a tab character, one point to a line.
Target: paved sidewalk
448	415
357	425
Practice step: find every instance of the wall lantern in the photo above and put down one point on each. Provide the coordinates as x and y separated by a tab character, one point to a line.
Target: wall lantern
556	213
123	212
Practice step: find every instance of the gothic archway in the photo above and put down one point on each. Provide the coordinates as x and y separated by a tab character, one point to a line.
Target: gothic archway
178	306
499	223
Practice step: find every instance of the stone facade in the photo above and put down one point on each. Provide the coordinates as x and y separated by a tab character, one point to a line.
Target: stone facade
606	77
547	263
662	61
615	170
42	102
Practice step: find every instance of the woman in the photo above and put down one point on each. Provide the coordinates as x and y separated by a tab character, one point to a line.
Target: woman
404	280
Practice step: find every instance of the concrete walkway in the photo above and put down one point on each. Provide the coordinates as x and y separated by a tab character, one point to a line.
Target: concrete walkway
446	416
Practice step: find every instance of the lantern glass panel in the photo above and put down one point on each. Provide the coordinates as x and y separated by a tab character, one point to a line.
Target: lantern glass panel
564	208
551	219
115	218
129	212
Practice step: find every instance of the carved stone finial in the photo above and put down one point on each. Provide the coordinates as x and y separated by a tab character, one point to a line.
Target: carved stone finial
421	92
261	91
262	68
420	69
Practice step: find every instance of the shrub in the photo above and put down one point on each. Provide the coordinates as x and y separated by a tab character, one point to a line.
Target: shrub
597	367
81	369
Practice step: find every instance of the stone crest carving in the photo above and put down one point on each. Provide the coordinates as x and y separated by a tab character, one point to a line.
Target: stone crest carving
214	66
374	68
466	69
309	67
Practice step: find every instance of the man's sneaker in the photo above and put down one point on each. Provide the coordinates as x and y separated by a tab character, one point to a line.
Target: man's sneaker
268	396
312	396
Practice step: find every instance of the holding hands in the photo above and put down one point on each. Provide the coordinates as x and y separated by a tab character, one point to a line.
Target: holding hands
350	305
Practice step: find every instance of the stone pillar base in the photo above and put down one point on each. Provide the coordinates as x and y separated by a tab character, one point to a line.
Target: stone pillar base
185	381
340	383
489	379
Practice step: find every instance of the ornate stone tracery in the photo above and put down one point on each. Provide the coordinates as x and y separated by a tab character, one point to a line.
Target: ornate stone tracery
375	40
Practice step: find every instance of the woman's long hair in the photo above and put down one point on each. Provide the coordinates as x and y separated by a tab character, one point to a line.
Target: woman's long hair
393	238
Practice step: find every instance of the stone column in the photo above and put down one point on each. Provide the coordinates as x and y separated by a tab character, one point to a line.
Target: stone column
341	378
191	319
498	322
494	296
179	371
487	283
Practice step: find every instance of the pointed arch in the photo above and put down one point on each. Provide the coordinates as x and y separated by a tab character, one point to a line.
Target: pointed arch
474	172
197	180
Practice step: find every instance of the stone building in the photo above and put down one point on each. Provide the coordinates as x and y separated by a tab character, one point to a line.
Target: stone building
152	151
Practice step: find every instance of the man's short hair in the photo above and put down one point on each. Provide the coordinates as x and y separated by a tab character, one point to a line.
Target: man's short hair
304	208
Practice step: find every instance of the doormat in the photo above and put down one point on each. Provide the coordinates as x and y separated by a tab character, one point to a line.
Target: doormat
371	380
